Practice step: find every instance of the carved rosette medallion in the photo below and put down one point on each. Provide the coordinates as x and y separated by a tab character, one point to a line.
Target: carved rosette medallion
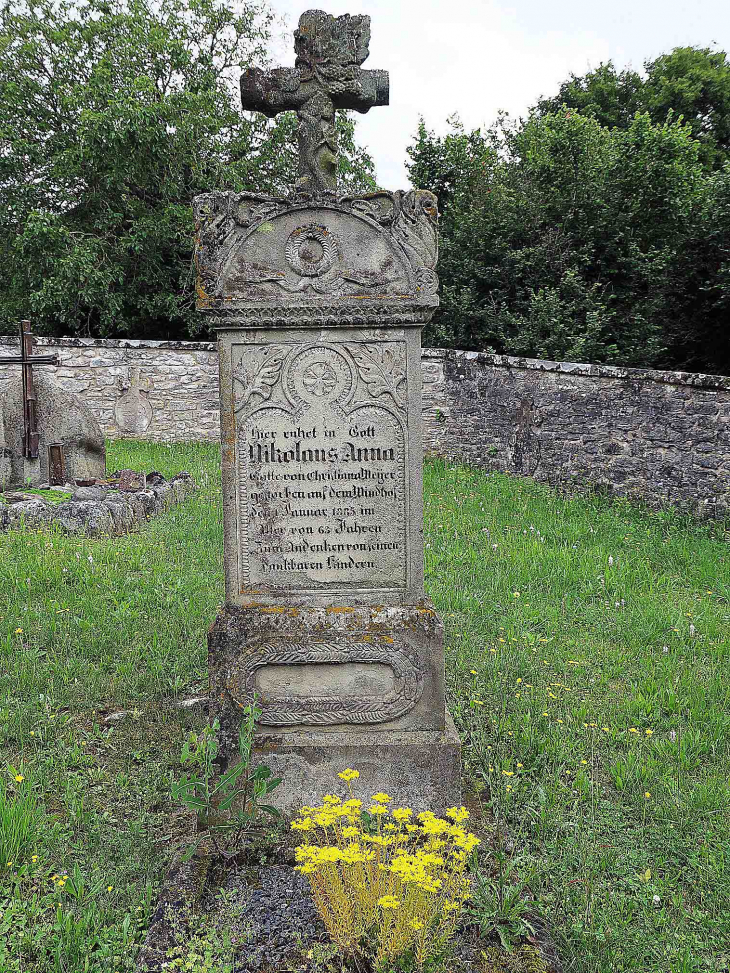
329	708
319	375
311	250
375	255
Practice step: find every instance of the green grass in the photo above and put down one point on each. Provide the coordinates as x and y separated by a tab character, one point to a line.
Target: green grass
545	621
589	642
50	496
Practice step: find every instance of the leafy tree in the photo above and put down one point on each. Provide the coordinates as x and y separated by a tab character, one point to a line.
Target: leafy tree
563	238
446	165
612	97
690	82
114	114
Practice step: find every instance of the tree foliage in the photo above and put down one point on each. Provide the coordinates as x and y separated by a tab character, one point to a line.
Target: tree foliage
690	82
563	238
114	114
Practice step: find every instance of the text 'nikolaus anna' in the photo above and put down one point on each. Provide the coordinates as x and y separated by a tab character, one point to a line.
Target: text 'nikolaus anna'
347	453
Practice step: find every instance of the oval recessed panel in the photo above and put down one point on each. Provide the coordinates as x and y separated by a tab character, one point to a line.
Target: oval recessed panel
321	683
324	678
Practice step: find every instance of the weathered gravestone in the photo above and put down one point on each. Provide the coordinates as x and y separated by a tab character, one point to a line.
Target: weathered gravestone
46	433
319	301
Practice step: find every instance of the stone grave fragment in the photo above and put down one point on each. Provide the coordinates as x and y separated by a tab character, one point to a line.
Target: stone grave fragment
46	433
319	300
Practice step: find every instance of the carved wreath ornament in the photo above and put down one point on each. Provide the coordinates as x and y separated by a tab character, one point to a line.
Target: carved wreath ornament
332	708
311	250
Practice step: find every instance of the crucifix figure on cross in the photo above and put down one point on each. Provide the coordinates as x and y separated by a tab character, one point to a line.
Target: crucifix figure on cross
27	360
327	76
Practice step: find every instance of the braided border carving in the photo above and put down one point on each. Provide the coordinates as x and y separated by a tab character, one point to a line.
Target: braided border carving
387	313
330	708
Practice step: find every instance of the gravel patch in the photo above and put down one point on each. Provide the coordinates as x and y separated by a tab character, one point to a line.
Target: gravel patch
279	923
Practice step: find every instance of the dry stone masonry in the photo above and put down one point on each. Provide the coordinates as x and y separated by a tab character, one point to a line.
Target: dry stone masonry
110	507
660	436
319	301
663	437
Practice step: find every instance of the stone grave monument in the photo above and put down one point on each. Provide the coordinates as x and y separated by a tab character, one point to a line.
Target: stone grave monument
319	301
47	435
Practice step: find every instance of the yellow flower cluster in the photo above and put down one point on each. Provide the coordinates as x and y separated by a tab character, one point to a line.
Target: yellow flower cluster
385	881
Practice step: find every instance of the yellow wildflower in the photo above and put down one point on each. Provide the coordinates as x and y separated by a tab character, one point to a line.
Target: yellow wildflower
457	814
349	774
381	798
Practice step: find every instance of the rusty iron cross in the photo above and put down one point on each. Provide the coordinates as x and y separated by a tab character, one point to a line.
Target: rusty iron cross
327	76
27	360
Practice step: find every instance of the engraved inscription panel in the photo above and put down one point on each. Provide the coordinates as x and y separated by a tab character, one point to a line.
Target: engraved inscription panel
322	459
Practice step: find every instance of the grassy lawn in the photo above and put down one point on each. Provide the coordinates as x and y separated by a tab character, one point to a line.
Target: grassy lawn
588	652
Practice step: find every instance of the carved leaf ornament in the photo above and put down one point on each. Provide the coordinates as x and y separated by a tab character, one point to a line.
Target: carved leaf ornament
264	378
380	371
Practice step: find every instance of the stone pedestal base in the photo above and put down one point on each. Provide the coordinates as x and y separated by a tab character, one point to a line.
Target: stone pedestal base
339	687
418	768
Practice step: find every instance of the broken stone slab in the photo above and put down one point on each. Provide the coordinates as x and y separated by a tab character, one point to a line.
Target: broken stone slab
16	497
90	493
29	514
85	517
149	502
131	480
95	511
122	515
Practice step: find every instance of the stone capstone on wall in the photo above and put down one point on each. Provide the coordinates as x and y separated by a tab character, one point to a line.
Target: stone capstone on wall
661	436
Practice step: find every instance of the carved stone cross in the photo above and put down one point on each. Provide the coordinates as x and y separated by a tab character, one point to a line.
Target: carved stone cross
327	76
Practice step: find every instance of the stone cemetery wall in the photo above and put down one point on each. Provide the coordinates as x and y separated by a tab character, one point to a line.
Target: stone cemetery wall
165	391
664	436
